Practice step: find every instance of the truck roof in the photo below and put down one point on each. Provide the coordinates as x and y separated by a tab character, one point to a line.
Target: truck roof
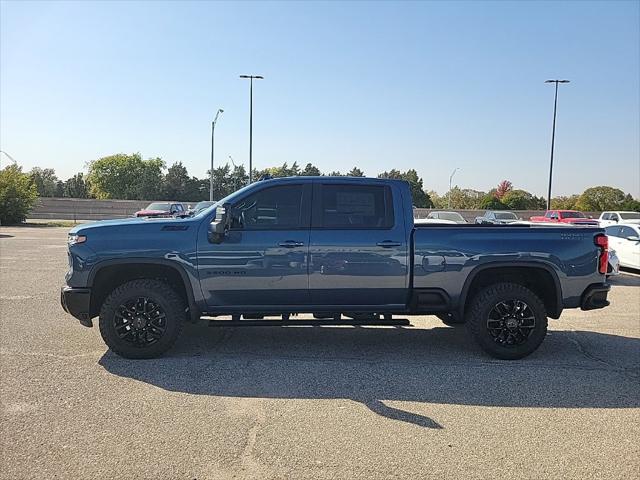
329	179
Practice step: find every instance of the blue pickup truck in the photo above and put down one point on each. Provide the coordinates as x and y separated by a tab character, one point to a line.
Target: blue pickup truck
332	247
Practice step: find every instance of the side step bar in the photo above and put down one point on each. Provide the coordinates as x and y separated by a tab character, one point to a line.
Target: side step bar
400	322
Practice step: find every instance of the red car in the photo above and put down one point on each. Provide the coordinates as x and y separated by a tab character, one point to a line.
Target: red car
162	209
572	217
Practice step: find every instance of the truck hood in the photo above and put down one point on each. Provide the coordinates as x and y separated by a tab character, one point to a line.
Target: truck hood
126	222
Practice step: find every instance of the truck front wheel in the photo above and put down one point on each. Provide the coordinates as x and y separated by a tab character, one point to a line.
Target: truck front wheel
141	318
508	320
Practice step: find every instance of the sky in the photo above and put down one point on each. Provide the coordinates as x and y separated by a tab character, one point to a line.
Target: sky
426	85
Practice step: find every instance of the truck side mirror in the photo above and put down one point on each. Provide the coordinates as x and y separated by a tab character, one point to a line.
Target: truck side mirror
634	238
220	224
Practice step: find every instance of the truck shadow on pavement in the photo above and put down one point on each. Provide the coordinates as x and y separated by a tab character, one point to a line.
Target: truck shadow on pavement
626	280
377	365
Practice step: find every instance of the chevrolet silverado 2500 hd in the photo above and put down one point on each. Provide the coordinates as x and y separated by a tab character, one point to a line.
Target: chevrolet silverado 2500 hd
328	246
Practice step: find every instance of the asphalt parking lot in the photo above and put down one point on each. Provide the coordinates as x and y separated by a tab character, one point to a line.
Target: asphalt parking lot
308	402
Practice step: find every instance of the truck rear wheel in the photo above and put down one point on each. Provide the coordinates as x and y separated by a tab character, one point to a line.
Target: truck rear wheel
508	320
141	318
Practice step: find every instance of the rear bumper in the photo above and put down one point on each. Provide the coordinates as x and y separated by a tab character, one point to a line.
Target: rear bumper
76	301
595	296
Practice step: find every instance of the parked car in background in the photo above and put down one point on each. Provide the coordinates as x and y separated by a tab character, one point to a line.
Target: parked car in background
614	263
162	209
200	206
453	216
497	217
572	217
625	240
612	218
428	221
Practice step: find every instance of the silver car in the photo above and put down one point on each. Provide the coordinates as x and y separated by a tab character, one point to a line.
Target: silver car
614	264
451	216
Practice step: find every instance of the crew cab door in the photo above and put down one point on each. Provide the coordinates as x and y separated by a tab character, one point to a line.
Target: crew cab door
262	259
358	245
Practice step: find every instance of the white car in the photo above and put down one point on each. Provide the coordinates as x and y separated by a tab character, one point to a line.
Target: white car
452	216
625	240
613	218
429	221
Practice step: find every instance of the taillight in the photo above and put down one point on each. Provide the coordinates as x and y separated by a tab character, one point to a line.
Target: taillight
602	241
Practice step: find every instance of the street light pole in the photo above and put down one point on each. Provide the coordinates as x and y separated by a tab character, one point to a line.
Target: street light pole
251	77
234	168
553	137
213	130
450	180
9	156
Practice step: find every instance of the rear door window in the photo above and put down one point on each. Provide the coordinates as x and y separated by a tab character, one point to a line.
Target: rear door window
347	206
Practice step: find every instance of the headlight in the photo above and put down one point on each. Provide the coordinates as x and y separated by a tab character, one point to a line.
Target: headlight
73	239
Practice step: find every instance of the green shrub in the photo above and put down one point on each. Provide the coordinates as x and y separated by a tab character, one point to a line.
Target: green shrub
17	195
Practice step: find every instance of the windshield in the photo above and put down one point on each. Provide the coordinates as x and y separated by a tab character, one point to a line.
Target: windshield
630	215
456	217
573	215
506	216
158	206
205	210
202	205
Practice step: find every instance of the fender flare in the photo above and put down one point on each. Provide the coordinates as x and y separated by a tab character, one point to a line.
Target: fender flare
194	310
526	264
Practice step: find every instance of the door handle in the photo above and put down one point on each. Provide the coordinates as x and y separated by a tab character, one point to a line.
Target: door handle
291	244
388	244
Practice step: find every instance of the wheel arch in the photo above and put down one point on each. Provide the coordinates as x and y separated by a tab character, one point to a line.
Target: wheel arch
109	274
533	275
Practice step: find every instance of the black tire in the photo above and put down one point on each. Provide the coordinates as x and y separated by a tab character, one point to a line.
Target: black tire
516	333
142	318
451	319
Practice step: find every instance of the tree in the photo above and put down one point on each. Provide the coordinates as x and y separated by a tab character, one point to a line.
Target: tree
45	181
355	172
630	204
564	203
466	199
418	196
311	171
394	174
176	182
59	191
336	173
596	199
504	187
239	178
491	202
127	177
18	194
76	187
521	200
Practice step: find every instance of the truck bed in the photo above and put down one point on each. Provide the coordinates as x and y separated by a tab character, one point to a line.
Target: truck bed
446	257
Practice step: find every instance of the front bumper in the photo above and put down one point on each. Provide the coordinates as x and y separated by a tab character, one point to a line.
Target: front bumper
595	296
77	301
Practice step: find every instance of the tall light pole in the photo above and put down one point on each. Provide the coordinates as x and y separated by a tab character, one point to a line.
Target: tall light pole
234	168
9	156
251	77
213	130
553	136
450	180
